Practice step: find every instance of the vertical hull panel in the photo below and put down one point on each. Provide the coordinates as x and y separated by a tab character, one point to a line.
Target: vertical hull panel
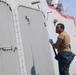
9	60
35	42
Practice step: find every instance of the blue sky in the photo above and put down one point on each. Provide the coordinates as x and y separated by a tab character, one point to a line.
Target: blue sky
71	6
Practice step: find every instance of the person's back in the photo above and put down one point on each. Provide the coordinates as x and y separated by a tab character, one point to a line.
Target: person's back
65	45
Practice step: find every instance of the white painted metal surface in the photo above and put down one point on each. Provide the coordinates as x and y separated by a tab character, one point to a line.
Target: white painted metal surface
9	60
24	47
50	15
19	43
54	1
35	42
11	32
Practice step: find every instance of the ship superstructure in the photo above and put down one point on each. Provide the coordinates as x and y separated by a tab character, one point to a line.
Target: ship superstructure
25	28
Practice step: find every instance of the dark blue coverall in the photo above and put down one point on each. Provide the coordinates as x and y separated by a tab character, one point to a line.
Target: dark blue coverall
64	61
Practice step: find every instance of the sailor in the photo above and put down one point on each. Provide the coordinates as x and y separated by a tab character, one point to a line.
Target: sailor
64	55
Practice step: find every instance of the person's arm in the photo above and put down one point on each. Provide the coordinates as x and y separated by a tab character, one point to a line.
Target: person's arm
57	44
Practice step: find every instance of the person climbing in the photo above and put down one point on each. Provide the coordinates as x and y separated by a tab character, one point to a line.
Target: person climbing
64	55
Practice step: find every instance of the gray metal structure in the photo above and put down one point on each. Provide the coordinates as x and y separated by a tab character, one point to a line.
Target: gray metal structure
24	45
9	60
34	36
35	42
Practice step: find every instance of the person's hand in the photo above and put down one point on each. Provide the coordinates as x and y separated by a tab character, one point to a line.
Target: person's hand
51	41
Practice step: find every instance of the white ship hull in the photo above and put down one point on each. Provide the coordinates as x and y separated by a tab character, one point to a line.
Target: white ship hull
24	45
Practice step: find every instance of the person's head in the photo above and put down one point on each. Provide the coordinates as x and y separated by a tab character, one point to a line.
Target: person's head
60	28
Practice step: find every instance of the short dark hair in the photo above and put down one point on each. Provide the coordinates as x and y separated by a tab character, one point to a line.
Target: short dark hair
61	25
